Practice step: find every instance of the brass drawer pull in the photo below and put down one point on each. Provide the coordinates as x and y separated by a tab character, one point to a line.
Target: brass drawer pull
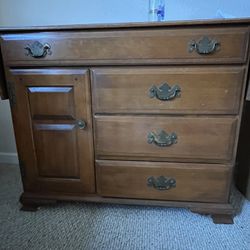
165	92
81	124
162	139
204	46
38	50
161	182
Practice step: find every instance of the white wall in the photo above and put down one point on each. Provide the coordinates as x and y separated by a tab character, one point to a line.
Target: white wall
7	140
46	12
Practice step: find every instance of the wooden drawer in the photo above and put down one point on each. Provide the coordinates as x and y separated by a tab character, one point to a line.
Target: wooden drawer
205	90
196	138
128	46
178	181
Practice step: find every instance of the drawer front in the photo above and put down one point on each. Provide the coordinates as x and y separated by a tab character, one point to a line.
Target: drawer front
163	181
205	90
164	138
206	45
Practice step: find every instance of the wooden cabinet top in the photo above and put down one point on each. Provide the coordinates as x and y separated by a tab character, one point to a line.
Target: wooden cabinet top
206	22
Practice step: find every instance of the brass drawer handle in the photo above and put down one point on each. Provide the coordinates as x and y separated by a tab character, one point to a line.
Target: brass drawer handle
162	139
81	124
165	92
204	46
38	50
161	182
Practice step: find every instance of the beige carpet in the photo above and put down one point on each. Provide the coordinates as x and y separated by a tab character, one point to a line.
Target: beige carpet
97	226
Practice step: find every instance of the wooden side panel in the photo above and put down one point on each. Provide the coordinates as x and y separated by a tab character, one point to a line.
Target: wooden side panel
194	182
198	138
243	154
57	155
3	87
203	90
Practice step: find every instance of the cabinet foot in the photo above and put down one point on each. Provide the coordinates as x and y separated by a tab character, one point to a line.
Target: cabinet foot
222	218
29	207
217	218
32	204
223	213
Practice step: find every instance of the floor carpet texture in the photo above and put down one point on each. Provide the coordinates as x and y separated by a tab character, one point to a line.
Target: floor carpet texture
88	226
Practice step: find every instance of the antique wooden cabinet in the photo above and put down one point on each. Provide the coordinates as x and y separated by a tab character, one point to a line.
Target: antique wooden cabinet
142	113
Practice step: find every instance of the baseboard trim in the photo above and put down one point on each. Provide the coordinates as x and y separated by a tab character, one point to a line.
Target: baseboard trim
9	158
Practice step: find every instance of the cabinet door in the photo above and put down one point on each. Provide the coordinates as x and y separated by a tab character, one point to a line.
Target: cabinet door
53	127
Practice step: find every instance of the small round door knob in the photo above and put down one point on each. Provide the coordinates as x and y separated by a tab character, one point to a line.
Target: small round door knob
81	124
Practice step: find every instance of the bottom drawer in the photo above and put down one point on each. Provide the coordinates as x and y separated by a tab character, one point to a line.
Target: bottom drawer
163	181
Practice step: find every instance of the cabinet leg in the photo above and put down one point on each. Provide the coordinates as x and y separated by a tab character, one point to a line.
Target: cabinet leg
32	204
217	218
199	212
223	218
225	213
29	207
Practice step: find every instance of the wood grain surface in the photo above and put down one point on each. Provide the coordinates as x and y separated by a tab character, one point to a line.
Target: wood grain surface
194	182
203	90
165	46
55	154
198	138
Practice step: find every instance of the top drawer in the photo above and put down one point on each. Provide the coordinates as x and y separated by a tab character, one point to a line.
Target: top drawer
153	46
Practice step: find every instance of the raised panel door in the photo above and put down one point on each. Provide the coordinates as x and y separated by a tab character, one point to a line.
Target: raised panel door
53	129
